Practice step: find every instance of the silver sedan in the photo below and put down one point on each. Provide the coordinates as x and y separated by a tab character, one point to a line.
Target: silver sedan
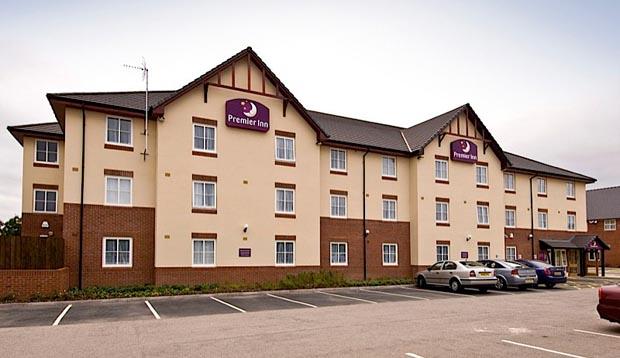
457	275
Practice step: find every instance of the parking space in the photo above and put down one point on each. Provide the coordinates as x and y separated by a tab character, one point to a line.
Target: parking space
260	302
187	306
30	314
107	311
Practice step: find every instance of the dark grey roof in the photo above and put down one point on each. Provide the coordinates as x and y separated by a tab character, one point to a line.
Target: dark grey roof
603	203
126	100
421	134
575	242
44	130
521	163
353	131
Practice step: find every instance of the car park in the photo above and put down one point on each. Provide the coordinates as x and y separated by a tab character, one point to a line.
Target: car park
609	303
548	274
457	275
512	274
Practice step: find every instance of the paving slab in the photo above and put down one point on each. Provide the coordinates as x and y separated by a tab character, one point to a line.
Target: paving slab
30	314
187	306
107	311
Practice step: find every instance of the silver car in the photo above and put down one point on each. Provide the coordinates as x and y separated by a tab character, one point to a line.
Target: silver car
512	274
457	275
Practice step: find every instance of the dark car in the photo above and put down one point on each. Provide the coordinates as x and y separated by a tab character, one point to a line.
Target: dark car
609	303
548	275
512	274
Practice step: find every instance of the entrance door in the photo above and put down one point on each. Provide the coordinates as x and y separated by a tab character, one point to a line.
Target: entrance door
561	259
573	262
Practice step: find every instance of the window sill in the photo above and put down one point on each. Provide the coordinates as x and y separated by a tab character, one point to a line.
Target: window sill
389	220
385	177
387	264
338	217
204	154
285	163
125	148
203	266
338	172
116	266
482	186
510	227
285	265
442	224
51	212
484	226
45	165
119	205
442	181
204	211
285	216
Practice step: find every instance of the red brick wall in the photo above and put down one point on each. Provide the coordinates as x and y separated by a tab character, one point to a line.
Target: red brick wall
109	221
25	283
612	238
31	224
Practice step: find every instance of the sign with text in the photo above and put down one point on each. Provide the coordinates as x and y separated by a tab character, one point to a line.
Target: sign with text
246	114
464	254
463	150
245	252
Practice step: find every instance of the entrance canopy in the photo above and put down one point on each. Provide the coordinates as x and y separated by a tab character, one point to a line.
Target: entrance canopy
586	242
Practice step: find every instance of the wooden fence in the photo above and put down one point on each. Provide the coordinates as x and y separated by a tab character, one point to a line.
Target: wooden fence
31	253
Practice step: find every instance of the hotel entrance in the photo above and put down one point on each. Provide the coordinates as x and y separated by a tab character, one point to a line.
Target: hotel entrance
572	253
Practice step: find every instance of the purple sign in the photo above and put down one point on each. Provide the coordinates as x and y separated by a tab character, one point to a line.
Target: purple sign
593	245
464	254
464	151
243	113
245	252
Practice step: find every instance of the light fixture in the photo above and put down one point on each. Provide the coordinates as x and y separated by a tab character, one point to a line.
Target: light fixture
245	228
468	237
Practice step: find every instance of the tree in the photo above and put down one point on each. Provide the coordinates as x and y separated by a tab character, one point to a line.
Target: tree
13	227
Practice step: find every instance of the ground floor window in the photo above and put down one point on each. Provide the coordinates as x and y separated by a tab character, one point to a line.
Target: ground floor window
390	254
442	252
592	255
117	252
511	253
203	252
338	253
285	253
483	252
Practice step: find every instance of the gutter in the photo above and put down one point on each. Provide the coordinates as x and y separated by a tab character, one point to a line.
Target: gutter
365	232
80	264
532	215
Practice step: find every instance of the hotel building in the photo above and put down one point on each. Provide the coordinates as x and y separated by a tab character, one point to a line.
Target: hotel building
231	179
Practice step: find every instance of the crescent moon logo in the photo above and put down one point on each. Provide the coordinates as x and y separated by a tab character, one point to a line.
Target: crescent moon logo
252	112
466	147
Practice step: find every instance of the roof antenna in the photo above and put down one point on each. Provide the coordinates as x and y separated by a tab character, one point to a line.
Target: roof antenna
145	77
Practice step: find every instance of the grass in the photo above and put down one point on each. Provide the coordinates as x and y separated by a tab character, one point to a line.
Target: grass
321	279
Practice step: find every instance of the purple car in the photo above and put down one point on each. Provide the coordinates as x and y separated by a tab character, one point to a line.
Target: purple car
548	275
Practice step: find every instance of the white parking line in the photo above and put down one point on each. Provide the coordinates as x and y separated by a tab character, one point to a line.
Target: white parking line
148	304
395	294
597	333
413	355
228	304
293	301
437	292
61	315
542	349
349	297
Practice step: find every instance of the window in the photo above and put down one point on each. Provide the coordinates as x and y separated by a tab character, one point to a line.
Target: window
542	220
609	225
570	190
592	255
511	253
203	252
338	160
389	209
285	149
483	214
442	252
338	253
46	152
118	190
285	201
388	167
119	131
510	217
509	181
481	175
441	212
117	252
542	186
204	138
570	221
285	253
449	265
441	169
204	195
45	201
483	252
390	254
338	206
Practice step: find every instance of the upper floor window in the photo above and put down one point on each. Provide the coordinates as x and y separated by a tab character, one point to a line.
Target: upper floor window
570	189
117	252
203	252
443	252
338	160
609	225
509	182
542	219
570	221
390	254
482	177
45	201
204	138
542	186
119	131
338	205
388	167
46	151
285	201
285	149
118	190
441	169
389	209
204	195
510	217
483	214
441	212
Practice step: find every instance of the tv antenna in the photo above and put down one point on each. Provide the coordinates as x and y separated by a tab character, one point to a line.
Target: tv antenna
145	77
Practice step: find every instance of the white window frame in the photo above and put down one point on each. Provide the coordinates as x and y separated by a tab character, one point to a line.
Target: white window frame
346	253
570	189
511	248
204	256
276	201
46	151
105	191
488	252
395	263
331	153
514	218
276	252
478	207
103	252
34	201
542	182
383	201
544	214
442	161
447	221
331	212
447	254
486	175
276	149
590	254
204	182
205	126
568	222
514	182
383	167
130	145
609	225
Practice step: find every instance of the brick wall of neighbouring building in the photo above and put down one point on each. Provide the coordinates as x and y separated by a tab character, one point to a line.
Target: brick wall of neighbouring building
612	238
25	283
31	224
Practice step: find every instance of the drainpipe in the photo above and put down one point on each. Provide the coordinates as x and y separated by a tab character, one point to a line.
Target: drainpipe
365	233
82	201
532	215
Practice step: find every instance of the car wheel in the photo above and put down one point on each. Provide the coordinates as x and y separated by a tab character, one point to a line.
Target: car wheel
455	285
421	282
501	283
549	285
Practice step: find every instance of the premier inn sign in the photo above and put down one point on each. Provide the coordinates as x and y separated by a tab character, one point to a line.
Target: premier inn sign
247	114
463	150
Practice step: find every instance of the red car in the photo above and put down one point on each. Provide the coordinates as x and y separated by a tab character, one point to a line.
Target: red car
609	303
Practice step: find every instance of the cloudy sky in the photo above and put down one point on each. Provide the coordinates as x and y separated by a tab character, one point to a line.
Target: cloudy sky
544	76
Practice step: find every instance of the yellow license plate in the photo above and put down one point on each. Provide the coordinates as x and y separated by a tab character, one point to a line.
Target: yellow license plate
485	274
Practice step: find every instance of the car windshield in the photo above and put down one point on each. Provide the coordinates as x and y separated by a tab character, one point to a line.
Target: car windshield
471	264
514	265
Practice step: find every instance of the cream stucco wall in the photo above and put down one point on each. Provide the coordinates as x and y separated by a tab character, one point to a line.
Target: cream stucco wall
40	175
